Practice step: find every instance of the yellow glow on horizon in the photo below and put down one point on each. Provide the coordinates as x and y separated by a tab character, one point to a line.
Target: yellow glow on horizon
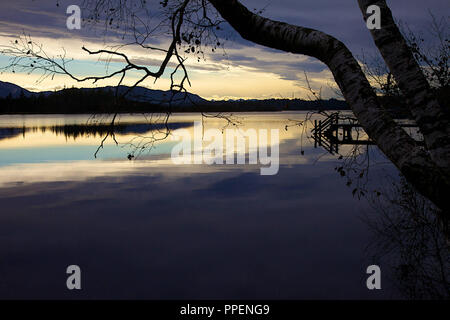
238	83
216	78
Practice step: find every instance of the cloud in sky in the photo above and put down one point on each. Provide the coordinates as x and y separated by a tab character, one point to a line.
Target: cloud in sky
245	71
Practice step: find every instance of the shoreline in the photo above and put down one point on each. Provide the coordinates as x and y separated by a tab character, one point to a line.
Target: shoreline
167	111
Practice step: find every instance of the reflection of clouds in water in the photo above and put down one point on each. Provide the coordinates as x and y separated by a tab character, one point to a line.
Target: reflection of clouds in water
411	238
49	156
82	170
192	231
82	134
173	234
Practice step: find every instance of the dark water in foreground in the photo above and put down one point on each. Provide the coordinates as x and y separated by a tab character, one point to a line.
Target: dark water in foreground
151	229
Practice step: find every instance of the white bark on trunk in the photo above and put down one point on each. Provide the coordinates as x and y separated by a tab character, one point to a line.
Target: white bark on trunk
396	144
424	106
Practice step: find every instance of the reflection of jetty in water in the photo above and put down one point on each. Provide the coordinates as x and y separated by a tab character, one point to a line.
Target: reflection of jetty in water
335	131
77	130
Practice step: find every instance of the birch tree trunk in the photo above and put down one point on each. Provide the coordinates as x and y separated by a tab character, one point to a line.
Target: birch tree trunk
424	106
412	160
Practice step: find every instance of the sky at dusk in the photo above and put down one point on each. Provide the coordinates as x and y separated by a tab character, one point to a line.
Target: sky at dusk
244	70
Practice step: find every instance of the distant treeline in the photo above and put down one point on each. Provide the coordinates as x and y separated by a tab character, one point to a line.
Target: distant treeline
284	104
75	100
397	105
69	101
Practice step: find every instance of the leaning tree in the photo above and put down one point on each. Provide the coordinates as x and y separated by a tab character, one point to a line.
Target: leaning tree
194	24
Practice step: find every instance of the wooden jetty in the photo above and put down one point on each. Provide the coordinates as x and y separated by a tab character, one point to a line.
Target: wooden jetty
333	132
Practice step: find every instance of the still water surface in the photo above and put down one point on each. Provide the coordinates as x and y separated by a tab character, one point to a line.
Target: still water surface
148	228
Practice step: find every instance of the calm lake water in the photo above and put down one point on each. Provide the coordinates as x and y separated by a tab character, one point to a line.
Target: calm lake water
148	228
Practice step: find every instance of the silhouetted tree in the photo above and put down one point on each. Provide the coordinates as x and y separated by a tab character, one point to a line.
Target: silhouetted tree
193	24
410	239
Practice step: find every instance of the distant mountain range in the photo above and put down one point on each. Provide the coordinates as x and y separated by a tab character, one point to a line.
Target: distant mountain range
138	94
74	100
12	90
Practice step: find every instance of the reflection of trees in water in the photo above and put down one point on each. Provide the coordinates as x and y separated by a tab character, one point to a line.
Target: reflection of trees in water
145	134
411	236
7	133
76	131
156	128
